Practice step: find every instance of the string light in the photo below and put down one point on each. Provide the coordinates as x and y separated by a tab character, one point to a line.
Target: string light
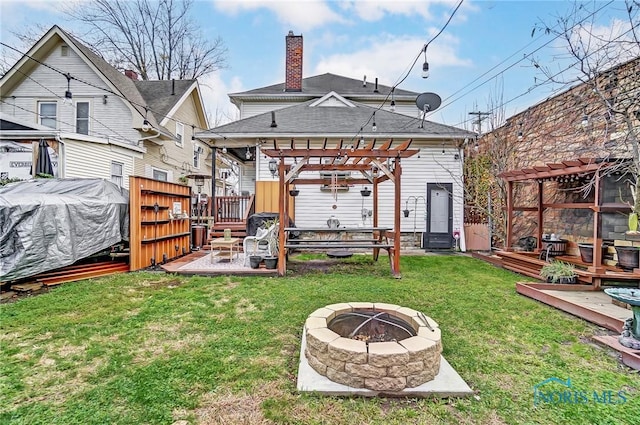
67	94
392	107
425	65
374	127
146	125
585	121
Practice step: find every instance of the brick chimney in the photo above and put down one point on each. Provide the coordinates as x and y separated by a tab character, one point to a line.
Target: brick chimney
131	74
293	80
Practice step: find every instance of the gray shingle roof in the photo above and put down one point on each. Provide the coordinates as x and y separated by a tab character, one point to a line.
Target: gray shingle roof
158	94
320	85
304	119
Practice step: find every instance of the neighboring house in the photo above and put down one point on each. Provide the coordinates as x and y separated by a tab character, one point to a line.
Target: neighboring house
575	123
333	111
98	121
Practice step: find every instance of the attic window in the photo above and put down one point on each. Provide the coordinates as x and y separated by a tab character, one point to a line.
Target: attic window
64	50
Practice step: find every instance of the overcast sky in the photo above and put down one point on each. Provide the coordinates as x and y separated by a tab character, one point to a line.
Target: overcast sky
488	45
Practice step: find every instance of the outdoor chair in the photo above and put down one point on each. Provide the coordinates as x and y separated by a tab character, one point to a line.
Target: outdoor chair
260	244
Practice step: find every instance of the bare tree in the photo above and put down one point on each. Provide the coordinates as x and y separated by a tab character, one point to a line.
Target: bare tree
610	91
157	39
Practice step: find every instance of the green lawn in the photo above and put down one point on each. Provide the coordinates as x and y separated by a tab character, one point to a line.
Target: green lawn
157	349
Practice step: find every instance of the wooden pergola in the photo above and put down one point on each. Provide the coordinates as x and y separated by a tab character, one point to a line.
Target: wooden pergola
581	167
376	164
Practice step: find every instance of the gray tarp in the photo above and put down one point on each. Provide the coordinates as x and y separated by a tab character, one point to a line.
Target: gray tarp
50	223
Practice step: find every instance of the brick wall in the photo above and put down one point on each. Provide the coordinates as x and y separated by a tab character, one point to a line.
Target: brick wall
553	131
293	65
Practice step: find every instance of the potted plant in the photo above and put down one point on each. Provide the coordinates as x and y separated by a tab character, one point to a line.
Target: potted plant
558	272
294	191
586	251
271	261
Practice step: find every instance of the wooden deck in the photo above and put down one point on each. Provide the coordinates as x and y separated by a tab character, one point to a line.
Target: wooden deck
177	267
591	305
529	264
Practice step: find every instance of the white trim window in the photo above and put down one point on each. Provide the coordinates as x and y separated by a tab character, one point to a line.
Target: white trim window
82	118
179	134
158	174
117	171
48	114
197	150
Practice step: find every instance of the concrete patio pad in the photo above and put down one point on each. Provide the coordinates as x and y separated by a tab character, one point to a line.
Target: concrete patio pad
446	384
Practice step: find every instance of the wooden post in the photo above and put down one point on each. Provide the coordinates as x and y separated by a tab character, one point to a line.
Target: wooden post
397	172
596	266
282	262
375	201
509	216
540	213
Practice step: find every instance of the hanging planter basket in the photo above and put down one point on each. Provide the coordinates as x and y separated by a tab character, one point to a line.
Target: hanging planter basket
294	192
365	192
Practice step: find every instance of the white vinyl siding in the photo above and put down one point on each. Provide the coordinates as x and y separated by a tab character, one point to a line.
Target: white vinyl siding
110	120
48	114
314	206
86	160
82	117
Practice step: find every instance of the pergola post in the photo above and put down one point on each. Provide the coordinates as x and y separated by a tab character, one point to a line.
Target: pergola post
596	266
397	173
540	213
282	209
509	216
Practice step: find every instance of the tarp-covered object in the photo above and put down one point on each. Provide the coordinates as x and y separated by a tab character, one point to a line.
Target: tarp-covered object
50	223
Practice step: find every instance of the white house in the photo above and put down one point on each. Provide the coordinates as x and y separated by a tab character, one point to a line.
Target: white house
98	121
330	111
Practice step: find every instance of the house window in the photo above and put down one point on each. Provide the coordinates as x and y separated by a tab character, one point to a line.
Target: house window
48	112
116	172
197	150
82	117
179	134
160	175
64	50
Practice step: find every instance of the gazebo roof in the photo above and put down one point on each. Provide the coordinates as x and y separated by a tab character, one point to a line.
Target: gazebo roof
564	168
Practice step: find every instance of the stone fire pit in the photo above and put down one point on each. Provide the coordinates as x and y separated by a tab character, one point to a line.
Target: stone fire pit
395	347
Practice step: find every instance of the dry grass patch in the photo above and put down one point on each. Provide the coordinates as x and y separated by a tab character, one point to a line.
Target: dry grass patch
243	307
228	408
162	340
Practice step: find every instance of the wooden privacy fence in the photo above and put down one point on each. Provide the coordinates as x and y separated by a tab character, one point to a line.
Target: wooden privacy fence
159	221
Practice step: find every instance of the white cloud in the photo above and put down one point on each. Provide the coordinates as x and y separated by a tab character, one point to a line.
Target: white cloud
298	15
375	10
389	57
214	89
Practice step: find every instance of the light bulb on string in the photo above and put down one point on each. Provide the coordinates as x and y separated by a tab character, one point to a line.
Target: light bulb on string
425	65
67	94
374	127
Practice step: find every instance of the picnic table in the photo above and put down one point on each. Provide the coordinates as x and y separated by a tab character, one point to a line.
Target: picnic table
342	237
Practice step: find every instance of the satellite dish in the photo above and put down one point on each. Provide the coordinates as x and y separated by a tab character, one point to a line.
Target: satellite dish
428	102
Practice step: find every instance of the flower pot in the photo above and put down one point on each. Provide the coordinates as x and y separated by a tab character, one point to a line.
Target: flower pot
628	257
254	261
563	280
365	192
586	252
294	192
271	262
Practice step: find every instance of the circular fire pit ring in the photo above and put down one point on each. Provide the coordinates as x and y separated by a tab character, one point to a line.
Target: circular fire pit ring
378	346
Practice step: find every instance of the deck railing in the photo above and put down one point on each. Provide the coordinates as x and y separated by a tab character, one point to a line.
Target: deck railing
229	209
